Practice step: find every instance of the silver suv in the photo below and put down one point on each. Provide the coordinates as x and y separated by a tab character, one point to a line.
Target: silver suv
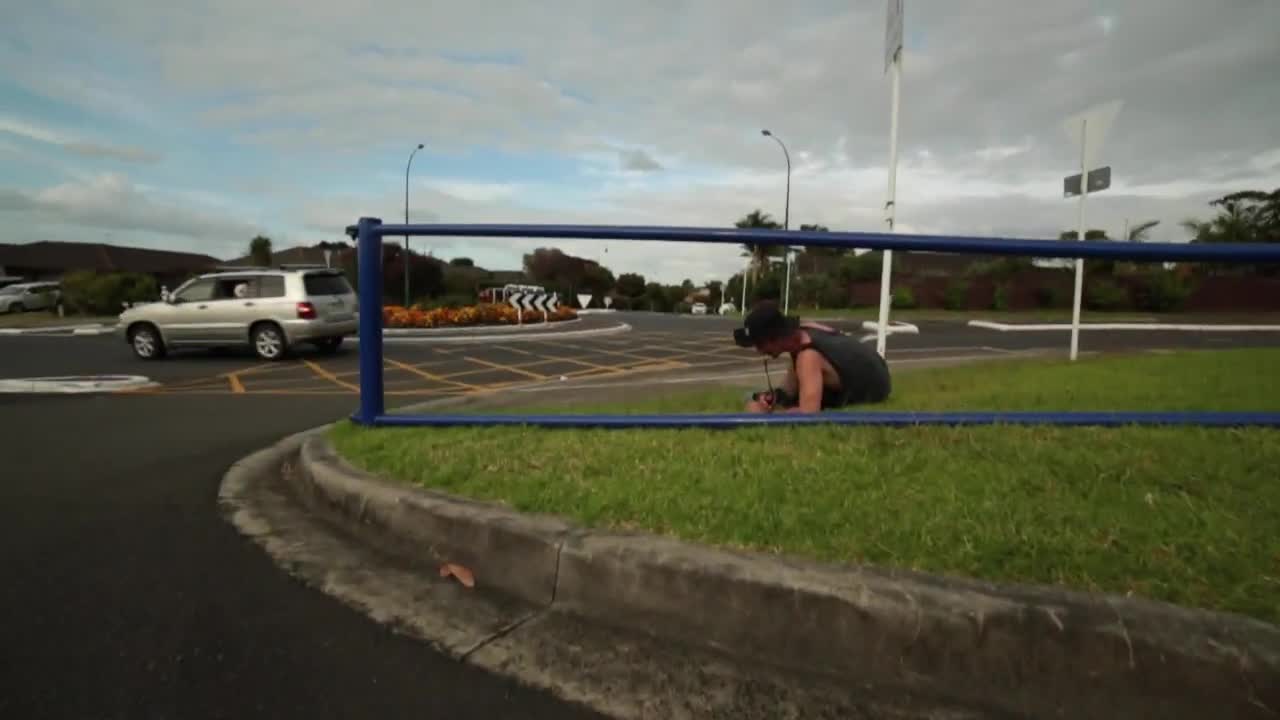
270	310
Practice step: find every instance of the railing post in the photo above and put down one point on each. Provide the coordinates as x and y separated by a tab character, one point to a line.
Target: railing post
369	249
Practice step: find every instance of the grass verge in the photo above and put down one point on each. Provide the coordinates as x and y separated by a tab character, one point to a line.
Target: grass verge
43	318
1186	515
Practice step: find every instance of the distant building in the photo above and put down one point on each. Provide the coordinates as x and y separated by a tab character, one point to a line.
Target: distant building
52	260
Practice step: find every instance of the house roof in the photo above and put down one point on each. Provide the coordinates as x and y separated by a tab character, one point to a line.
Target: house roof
49	255
299	255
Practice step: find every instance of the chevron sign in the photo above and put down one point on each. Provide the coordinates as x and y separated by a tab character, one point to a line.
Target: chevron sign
525	301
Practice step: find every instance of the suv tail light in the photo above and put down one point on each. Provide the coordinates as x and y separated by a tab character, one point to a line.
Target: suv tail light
306	311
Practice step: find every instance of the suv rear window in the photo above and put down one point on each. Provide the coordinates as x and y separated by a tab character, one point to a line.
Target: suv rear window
326	284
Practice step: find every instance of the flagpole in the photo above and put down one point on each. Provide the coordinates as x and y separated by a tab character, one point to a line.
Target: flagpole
886	266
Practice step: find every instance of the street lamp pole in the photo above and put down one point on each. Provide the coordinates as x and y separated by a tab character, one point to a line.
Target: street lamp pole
406	222
786	213
786	219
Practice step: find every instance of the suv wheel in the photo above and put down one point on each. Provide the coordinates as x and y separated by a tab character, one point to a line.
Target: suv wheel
16	308
146	342
329	346
268	341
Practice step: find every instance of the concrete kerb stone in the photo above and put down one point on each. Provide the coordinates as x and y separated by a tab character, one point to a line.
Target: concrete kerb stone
512	553
476	329
1030	650
1040	651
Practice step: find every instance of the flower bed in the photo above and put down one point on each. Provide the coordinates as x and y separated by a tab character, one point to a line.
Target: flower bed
396	316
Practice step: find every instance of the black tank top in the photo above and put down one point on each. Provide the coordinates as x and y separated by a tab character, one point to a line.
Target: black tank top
864	375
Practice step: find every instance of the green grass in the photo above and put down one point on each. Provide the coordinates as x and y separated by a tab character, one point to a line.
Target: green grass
1185	515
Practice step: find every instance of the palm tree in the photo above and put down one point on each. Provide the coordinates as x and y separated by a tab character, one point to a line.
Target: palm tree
1140	232
758	252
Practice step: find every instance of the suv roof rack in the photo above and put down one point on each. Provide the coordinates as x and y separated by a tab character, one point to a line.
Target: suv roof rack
239	268
305	266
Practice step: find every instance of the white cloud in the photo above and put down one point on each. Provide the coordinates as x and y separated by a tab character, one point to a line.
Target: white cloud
625	89
111	202
79	146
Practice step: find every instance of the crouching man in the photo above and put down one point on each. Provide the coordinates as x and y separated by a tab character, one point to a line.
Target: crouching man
828	368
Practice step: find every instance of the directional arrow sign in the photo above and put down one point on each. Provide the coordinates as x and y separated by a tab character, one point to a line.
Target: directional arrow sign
1099	179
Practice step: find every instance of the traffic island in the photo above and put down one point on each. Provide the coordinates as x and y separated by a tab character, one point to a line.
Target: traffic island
608	560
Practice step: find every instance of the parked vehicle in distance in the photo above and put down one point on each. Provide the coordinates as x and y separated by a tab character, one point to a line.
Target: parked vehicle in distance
699	309
22	297
269	309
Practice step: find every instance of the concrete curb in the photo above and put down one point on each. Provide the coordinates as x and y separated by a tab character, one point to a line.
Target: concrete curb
96	329
474	329
508	337
1029	650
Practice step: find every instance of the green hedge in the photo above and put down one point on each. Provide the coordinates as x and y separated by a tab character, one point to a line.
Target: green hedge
89	293
1105	294
1161	291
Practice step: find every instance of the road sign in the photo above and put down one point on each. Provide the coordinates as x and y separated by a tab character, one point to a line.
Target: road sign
525	301
608	301
1099	179
584	299
893	33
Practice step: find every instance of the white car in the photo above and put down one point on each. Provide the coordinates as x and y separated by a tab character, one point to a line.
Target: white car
699	309
270	310
29	296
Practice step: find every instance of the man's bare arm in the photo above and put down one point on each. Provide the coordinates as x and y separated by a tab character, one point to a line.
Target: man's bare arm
808	375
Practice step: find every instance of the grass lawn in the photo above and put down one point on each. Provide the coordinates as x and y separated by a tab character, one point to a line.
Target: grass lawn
43	318
1185	515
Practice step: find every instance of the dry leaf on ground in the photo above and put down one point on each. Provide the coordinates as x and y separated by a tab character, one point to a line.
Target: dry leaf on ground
463	574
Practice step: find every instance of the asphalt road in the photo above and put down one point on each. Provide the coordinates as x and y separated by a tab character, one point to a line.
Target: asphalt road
127	595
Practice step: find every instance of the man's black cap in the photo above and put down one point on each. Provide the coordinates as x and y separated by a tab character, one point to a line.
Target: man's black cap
765	321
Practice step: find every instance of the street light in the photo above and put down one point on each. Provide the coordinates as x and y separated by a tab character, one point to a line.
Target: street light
786	213
786	219
406	222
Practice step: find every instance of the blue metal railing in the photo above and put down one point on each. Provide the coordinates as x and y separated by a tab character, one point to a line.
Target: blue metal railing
369	232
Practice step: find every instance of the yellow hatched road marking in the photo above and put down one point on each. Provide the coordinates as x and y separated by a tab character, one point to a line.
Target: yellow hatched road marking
329	376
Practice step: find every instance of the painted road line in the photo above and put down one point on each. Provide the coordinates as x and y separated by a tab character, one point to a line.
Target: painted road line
516	351
895	327
428	375
237	387
386	365
498	366
76	384
329	376
1180	327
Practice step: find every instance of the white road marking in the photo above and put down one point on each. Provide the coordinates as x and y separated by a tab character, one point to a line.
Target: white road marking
1041	327
73	384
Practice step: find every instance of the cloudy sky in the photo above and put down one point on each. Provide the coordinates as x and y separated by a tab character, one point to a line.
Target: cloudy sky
196	125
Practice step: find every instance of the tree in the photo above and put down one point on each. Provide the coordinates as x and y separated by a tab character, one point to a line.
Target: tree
260	250
426	273
1246	216
597	279
758	252
1092	234
1140	232
566	274
630	285
462	262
